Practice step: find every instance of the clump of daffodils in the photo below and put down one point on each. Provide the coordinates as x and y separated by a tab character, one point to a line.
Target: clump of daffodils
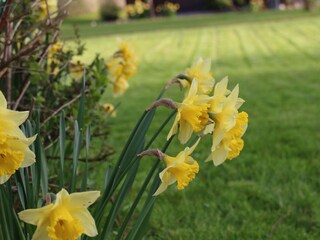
207	109
14	145
168	9
121	66
53	58
138	9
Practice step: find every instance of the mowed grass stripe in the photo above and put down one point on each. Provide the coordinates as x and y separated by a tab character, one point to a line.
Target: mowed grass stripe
272	189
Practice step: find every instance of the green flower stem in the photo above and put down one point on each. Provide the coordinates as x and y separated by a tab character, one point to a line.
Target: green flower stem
138	197
146	147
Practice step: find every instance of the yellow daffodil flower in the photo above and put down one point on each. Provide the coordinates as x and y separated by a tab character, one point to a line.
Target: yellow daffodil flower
223	111
121	67
120	86
201	70
76	70
231	144
52	6
192	115
181	169
66	219
109	109
14	146
53	58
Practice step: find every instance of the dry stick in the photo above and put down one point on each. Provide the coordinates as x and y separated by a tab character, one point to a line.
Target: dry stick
8	57
61	108
5	15
25	87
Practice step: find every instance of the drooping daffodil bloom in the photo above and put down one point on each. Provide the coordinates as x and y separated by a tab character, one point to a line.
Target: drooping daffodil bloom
14	145
225	116
121	66
224	113
53	60
181	169
201	70
192	115
66	219
232	143
120	86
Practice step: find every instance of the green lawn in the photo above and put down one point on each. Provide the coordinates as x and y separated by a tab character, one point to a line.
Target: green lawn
271	191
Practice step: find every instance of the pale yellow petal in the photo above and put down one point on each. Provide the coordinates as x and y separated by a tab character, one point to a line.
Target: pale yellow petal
191	149
17	117
3	100
217	137
84	199
185	132
219	155
206	64
174	127
29	158
161	189
193	88
221	87
41	232
62	197
35	216
4	178
209	129
86	220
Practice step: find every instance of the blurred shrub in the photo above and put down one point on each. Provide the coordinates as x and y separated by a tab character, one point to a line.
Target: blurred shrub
168	9
41	74
220	5
240	4
256	5
109	12
137	10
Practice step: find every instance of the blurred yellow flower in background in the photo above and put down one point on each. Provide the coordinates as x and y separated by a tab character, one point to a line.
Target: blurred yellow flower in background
181	169
68	218
121	67
52	7
76	69
109	109
14	145
53	58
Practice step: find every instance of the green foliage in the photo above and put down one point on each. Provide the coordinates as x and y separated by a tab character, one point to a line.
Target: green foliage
109	12
220	5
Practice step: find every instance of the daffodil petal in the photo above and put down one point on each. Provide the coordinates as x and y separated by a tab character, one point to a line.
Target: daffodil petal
86	220
84	199
185	132
32	216
4	178
189	151
3	100
174	127
29	158
41	232
219	156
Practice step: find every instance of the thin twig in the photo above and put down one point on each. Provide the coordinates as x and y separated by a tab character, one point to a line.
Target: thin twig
61	108
25	87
